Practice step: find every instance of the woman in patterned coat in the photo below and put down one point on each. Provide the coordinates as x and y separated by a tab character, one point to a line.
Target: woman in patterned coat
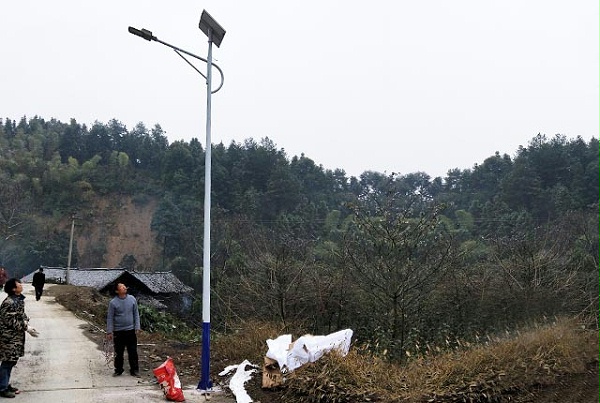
13	325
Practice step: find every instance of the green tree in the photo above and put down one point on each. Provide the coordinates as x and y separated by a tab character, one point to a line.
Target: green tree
397	252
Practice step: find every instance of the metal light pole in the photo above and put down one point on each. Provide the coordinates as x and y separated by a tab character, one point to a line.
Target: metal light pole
215	34
68	279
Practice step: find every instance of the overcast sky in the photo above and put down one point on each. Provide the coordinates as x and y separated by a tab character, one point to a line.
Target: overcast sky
390	86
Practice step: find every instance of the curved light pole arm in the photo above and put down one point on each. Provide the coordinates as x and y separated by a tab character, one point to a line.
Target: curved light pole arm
147	35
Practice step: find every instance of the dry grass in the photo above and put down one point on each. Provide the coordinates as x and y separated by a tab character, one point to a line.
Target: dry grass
508	369
247	342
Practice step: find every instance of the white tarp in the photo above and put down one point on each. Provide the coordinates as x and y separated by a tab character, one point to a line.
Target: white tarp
306	349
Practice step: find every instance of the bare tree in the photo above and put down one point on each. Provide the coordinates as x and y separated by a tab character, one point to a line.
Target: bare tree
274	281
13	204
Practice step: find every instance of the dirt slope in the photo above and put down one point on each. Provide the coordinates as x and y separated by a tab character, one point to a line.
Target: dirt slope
574	388
115	228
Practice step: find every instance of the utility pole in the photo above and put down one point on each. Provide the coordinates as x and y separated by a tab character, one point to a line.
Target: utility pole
70	249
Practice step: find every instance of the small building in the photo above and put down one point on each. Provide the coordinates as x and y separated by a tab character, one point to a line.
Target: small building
162	290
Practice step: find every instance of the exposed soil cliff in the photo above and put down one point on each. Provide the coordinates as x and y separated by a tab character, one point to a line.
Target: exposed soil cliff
117	233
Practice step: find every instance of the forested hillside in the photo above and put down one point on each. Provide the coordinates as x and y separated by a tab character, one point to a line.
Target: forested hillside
402	258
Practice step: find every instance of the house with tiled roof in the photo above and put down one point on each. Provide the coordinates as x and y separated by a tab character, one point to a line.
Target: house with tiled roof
158	289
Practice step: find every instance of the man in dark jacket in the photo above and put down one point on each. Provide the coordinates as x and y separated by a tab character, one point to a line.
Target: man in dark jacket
39	279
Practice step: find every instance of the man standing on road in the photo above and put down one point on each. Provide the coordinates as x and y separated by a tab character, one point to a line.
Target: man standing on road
13	325
39	279
122	324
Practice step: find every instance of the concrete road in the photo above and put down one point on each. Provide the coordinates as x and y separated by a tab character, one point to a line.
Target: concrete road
63	365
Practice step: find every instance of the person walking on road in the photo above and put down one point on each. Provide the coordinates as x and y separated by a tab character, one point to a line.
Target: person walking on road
122	326
13	325
39	279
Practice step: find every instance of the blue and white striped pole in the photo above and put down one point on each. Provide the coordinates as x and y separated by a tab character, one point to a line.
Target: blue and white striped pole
205	382
215	34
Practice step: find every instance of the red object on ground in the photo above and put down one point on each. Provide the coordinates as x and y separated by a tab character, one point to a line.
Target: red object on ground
167	378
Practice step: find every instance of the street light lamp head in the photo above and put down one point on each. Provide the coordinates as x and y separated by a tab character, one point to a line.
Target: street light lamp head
211	28
143	33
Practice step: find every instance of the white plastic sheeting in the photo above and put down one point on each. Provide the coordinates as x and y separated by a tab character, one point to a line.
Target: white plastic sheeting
241	376
306	349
